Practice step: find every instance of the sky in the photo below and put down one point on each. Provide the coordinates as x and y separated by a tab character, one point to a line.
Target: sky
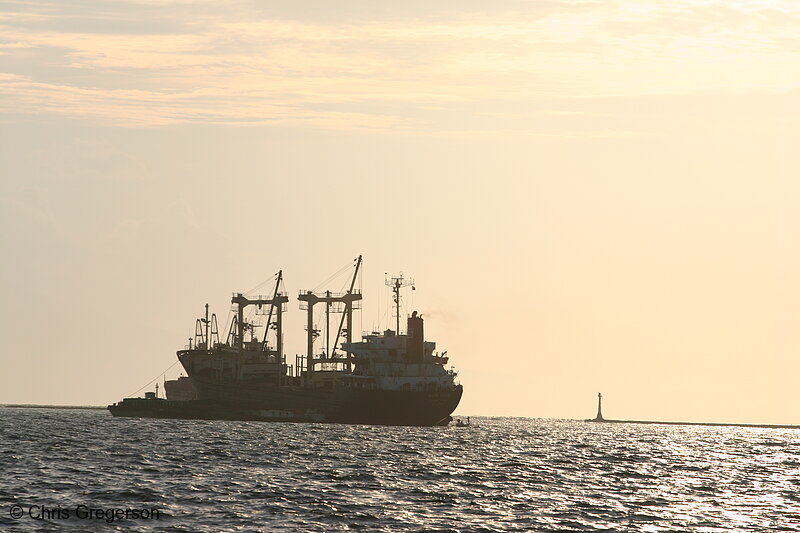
591	196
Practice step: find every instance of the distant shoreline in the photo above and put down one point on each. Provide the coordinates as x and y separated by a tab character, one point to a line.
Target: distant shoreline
716	424
604	421
38	406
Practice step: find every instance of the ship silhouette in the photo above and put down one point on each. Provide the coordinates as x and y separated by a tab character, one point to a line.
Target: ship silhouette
390	378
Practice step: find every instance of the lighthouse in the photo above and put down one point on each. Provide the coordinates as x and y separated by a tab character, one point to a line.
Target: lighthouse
599	417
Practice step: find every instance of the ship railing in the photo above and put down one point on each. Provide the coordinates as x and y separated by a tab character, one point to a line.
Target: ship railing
329	365
188	348
336	307
322	297
251	296
265	310
325	294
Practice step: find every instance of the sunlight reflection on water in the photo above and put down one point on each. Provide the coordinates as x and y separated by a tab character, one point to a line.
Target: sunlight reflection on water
504	474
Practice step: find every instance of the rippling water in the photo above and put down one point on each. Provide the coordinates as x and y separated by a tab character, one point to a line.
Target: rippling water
502	474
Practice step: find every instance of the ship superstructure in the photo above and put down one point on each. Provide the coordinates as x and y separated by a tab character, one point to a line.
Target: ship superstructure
384	378
180	389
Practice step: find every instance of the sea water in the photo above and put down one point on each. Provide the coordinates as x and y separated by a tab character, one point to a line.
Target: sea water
85	470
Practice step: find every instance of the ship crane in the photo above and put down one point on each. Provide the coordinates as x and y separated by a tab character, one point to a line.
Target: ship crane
350	299
276	304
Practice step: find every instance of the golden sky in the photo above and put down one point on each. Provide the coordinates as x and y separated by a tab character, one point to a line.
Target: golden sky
591	195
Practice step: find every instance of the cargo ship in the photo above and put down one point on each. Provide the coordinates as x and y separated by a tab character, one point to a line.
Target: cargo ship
389	378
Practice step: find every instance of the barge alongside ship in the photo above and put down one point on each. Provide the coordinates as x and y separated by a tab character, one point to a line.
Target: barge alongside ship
385	378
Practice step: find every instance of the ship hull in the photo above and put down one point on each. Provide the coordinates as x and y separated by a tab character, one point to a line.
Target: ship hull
338	405
183	409
202	410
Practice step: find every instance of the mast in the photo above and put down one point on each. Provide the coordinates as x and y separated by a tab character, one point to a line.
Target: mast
348	314
327	324
198	333
208	341
204	329
214	331
278	319
241	303
397	283
278	309
311	300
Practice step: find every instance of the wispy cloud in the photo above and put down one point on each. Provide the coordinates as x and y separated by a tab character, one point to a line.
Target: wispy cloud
150	63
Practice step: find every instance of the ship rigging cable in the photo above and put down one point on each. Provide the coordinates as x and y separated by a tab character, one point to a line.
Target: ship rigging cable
152	380
338	273
254	289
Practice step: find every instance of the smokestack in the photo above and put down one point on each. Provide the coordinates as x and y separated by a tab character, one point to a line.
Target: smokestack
415	339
